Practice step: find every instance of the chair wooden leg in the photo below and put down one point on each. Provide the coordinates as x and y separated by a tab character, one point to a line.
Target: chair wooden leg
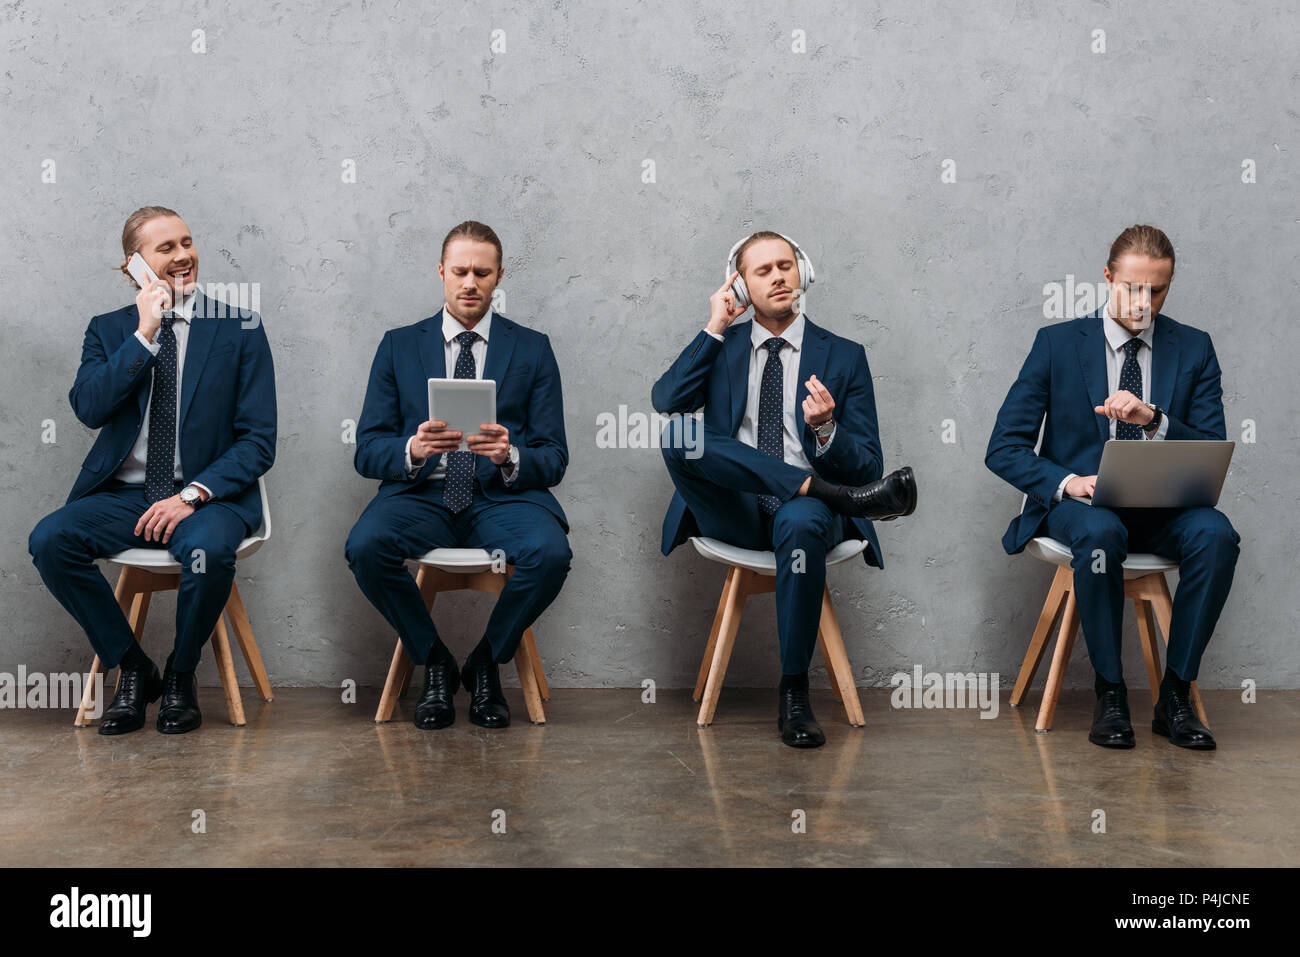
1060	658
531	643
1147	638
397	673
1038	643
226	667
527	667
1163	603
733	600
243	629
88	695
830	665
838	661
707	661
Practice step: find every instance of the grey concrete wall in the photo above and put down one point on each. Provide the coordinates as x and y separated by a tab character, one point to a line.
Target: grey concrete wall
1056	148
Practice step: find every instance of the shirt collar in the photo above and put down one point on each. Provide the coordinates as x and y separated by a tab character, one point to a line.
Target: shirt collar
186	311
451	326
793	333
1117	335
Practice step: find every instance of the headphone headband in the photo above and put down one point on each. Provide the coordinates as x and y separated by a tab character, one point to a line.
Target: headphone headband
806	272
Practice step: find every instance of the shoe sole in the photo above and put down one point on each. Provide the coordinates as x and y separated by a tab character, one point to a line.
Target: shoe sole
1160	729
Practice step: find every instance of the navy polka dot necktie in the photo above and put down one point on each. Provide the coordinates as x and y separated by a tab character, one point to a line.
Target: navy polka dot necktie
458	488
771	413
1130	379
160	459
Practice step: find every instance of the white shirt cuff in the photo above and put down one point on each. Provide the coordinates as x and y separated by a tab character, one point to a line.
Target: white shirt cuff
1060	489
153	347
411	468
714	334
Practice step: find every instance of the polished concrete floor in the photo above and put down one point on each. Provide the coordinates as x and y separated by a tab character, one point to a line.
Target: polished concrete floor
612	781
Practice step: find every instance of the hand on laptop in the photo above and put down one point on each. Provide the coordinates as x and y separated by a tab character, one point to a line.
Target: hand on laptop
1081	486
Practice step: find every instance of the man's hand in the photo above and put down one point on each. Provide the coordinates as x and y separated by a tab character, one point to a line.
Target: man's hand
1081	486
818	404
492	441
1126	407
152	301
433	438
723	310
161	518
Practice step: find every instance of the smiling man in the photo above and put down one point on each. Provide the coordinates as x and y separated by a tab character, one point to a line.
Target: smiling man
789	451
1119	374
183	393
494	494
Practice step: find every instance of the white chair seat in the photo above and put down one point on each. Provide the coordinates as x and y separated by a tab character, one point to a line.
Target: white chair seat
764	563
160	561
464	561
1137	565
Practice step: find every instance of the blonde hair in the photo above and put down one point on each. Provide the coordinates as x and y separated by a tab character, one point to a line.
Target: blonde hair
470	229
1142	241
131	232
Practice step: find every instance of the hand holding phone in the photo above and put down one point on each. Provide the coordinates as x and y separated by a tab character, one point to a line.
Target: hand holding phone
154	296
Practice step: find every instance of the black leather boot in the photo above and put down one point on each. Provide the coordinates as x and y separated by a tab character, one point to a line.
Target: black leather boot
1111	727
883	501
487	703
435	708
137	688
1176	719
179	711
795	719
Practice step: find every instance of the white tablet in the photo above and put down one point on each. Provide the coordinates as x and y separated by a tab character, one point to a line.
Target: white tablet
464	404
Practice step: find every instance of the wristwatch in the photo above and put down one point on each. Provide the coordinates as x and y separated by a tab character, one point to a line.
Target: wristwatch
1154	424
512	458
191	496
824	430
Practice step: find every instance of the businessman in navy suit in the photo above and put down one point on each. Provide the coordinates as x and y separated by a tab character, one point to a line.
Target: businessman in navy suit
182	390
1116	374
493	495
777	469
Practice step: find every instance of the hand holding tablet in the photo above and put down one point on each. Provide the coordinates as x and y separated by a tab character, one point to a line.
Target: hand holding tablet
462	414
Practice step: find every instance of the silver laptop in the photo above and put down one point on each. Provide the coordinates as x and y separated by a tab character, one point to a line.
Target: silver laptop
1165	474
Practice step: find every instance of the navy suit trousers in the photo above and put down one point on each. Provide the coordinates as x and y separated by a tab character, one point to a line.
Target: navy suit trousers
65	544
1201	540
409	523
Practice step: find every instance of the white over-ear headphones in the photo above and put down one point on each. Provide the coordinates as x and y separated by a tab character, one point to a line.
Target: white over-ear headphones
806	272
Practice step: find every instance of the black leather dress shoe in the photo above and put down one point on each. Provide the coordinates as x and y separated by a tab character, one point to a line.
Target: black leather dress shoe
798	726
136	690
1176	719
893	496
179	710
1111	727
435	708
487	704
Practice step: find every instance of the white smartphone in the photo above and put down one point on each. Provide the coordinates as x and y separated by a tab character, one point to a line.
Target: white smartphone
140	271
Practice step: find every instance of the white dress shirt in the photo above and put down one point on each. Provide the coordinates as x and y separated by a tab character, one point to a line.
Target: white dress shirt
133	468
451	328
792	406
1116	337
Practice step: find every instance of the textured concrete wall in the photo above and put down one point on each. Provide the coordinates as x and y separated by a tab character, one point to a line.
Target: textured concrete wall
1056	148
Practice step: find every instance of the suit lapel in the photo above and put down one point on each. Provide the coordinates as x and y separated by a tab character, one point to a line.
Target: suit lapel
500	346
737	358
1164	363
432	356
1092	359
812	361
203	329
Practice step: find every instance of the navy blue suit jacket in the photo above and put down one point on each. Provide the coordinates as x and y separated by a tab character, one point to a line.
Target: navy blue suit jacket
227	416
1064	378
529	404
715	375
